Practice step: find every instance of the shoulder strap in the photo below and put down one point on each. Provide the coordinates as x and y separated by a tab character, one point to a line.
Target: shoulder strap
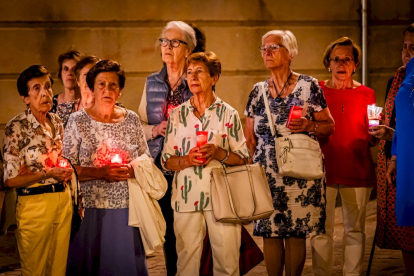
269	114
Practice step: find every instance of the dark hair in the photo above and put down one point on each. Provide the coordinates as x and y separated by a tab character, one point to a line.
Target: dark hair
209	59
200	37
68	55
408	29
105	66
83	62
34	71
343	41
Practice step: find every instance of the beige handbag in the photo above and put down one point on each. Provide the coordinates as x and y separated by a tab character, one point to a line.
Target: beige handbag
240	194
297	155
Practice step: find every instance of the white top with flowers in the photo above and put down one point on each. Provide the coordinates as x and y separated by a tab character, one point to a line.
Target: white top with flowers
191	186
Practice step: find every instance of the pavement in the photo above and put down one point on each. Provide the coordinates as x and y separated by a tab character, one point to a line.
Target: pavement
385	262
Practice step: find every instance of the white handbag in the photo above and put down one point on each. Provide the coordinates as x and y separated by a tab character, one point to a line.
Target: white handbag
297	155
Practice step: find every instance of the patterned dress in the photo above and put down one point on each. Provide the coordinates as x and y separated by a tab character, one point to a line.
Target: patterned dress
90	143
299	204
191	186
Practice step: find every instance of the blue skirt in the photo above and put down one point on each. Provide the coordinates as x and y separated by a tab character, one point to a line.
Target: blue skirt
106	245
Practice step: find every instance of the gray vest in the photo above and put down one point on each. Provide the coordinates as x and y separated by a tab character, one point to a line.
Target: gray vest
157	90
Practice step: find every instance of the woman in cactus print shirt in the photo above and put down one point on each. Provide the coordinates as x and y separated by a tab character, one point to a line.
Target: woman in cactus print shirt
191	186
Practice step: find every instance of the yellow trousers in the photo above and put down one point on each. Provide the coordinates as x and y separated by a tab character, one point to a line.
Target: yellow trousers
43	232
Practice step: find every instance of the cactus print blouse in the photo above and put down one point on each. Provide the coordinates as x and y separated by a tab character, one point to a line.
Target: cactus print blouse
191	186
89	143
299	204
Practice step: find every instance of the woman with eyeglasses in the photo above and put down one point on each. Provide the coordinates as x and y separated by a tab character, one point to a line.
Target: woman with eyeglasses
349	166
163	92
299	203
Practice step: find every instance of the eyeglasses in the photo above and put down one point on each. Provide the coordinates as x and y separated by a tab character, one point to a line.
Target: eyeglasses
174	42
273	48
338	60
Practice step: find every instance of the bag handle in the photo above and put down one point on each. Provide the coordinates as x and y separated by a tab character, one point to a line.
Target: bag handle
231	197
269	114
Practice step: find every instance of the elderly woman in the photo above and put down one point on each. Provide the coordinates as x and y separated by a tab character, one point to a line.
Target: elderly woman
163	91
86	98
350	169
100	141
67	62
191	189
388	234
32	151
299	203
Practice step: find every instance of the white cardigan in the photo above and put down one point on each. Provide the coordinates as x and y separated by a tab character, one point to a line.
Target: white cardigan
148	186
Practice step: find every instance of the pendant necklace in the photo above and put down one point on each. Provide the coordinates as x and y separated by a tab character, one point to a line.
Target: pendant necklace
172	87
196	110
283	88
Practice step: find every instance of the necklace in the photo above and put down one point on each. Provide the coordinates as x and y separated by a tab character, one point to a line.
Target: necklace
283	88
196	110
172	87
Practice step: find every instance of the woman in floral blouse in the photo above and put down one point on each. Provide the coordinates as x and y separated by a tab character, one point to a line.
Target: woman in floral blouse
101	141
32	152
191	198
299	203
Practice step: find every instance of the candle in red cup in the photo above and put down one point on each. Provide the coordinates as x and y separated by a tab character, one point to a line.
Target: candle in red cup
63	163
170	108
116	159
295	113
201	140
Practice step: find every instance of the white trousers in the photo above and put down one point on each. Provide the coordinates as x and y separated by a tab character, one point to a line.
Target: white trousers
225	239
354	203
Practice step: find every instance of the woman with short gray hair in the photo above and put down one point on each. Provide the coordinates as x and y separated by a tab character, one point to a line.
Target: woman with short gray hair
163	92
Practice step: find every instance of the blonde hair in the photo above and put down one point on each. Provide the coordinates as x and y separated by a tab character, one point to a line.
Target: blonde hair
289	41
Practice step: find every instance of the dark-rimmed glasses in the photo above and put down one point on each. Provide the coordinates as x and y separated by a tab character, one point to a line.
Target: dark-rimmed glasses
272	48
174	42
337	60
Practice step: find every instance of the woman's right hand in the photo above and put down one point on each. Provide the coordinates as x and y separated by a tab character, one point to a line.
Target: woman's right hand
114	172
192	157
382	132
391	172
159	129
60	174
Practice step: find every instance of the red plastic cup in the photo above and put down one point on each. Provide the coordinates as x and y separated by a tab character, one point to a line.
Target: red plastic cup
294	113
201	140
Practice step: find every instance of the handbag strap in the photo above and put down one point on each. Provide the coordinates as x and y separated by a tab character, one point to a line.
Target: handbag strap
269	114
224	172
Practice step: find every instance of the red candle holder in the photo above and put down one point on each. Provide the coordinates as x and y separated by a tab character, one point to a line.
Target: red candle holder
201	140
116	159
294	113
63	163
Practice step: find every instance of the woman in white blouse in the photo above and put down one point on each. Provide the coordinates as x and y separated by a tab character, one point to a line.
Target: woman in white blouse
191	186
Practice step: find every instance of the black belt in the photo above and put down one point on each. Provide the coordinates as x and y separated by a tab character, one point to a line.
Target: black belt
52	188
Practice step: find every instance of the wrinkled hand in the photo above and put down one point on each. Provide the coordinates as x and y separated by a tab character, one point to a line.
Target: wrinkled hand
208	152
382	132
301	125
60	174
114	172
192	157
391	173
24	169
160	129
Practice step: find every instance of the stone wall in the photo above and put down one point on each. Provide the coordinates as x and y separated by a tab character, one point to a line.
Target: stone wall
36	32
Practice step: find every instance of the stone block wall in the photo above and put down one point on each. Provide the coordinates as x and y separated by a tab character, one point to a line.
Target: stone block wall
36	32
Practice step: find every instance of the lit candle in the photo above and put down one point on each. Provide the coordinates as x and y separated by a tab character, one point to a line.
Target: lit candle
294	113
63	163
116	159
201	140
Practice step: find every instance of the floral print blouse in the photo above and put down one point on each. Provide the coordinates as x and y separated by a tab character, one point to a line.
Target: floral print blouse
28	142
191	186
89	143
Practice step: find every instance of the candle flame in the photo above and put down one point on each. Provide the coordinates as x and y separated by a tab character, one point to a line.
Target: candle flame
116	159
